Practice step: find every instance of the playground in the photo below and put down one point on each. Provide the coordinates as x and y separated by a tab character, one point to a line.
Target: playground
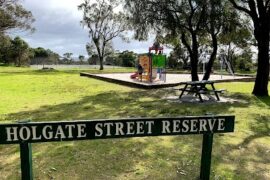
171	79
63	95
151	72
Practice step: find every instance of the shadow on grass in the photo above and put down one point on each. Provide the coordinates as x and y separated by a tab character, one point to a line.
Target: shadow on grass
135	158
260	128
144	158
265	100
112	104
250	158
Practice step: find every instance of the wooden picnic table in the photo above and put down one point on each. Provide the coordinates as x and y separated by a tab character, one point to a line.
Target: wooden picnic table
198	88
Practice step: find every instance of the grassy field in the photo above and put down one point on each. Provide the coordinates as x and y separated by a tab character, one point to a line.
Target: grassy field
64	95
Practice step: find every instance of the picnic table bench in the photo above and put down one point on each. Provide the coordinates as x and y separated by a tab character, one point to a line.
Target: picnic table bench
198	88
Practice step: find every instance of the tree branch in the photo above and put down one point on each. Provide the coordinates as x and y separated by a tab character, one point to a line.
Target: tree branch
240	7
183	38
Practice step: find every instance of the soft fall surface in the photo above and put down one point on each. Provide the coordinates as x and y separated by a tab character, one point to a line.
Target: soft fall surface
64	95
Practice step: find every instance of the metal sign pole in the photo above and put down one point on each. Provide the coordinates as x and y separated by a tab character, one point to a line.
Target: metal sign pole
206	156
26	161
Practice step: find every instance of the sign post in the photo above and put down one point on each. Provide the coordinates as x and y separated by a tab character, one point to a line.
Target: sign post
37	132
26	161
206	156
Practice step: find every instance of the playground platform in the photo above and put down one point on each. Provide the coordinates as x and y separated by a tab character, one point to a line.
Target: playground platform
171	79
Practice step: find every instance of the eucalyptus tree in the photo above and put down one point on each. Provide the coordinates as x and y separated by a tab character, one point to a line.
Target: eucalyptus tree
81	58
194	22
259	12
220	19
14	16
20	51
53	57
68	57
128	58
235	37
40	55
104	24
179	18
5	46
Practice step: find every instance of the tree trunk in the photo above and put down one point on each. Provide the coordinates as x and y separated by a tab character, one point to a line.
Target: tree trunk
262	77
193	53
261	33
260	14
194	67
210	63
101	63
194	58
230	54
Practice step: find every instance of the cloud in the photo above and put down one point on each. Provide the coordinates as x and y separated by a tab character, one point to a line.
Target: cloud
58	28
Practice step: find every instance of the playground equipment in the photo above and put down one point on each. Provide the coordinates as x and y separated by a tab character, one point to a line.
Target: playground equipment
205	56
153	65
224	61
203	59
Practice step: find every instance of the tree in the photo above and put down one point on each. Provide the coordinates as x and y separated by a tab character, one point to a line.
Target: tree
92	60
182	18
40	55
5	49
67	58
195	22
259	12
128	58
216	13
81	58
20	51
178	57
244	61
14	16
103	24
234	37
53	57
44	56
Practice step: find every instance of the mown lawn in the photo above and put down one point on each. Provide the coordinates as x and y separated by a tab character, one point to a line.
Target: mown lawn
64	95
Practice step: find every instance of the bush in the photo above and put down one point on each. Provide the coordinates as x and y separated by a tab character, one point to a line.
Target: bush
244	61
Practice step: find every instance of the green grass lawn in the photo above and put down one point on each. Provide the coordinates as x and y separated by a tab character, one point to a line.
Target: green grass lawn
64	95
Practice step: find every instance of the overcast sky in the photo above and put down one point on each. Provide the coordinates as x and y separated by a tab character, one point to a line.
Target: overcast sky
58	28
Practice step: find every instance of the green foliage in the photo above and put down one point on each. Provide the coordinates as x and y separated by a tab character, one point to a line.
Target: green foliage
5	47
67	58
21	52
53	57
44	56
14	16
178	57
113	59
40	52
259	13
194	23
93	60
81	58
104	24
128	58
244	61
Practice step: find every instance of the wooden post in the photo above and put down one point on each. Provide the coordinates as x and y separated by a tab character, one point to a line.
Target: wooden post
206	156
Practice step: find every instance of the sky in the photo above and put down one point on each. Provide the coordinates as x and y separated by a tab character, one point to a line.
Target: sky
58	28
